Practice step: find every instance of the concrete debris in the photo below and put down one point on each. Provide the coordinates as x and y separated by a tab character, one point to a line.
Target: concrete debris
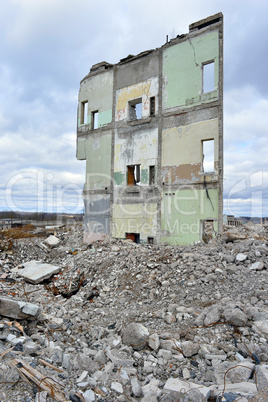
18	309
36	271
135	335
52	241
120	321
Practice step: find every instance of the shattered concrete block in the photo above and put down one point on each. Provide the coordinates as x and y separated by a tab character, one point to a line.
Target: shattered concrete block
175	384
257	266
241	257
237	372
151	391
236	316
262	326
136	387
18	309
36	271
119	358
52	241
212	316
135	335
89	396
154	341
189	348
117	387
243	388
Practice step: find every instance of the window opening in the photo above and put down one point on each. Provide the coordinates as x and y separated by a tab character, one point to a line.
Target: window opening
84	112
151	175
134	175
208	155
208	77
135	237
152	106
95	120
135	109
150	240
208	231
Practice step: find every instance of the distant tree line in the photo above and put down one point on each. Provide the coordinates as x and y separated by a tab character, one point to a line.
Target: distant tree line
39	216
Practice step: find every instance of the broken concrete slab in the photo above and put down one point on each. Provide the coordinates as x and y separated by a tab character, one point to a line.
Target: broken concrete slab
36	271
52	241
175	384
18	309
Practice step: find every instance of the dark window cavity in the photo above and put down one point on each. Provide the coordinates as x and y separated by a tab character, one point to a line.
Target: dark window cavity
151	175
133	175
152	106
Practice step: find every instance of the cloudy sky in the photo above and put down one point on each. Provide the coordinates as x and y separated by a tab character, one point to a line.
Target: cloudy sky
48	46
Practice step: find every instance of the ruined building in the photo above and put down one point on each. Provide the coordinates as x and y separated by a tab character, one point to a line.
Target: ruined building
151	131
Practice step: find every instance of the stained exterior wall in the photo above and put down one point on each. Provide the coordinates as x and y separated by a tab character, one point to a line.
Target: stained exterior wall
171	196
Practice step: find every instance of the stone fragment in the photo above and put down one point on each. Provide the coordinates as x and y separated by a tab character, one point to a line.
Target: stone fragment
189	348
236	316
241	257
215	357
166	354
258	265
212	316
170	318
18	309
36	271
136	387
261	373
151	391
242	388
236	372
117	387
82	377
192	395
100	357
135	335
186	373
262	325
175	384
89	396
52	241
154	341
119	357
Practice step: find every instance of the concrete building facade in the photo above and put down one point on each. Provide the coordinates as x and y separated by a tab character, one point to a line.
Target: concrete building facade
151	131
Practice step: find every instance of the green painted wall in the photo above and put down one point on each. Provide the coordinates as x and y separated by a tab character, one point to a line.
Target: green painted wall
144	176
120	178
97	90
182	70
182	211
81	149
105	117
98	166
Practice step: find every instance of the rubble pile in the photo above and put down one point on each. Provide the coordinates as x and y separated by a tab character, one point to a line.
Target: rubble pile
120	321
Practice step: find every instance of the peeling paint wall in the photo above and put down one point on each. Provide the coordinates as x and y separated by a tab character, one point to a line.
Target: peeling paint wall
147	157
182	151
135	218
98	164
97	90
140	147
182	212
183	70
143	90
